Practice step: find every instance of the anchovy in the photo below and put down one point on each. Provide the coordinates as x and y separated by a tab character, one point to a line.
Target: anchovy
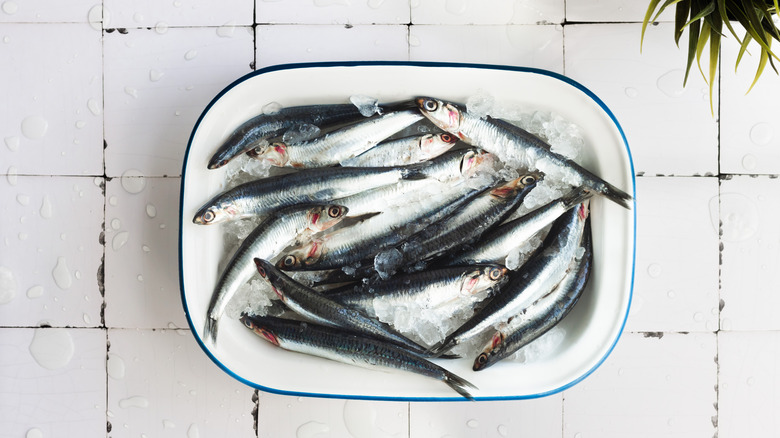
265	126
515	146
496	244
350	348
338	145
265	195
402	151
320	309
426	289
469	222
265	241
535	278
542	315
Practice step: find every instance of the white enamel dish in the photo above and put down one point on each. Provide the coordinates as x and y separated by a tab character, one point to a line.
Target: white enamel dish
592	328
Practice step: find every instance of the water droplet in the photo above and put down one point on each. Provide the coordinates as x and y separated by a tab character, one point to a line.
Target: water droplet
119	240
375	4
654	270
34	433
97	16
761	133
52	348
80	124
132	92
631	92
192	431
94	107
472	423
577	435
113	200
311	429
7	285
155	75
34	127
749	162
140	278
168	424
750	381
457	7
698	317
138	17
61	274
737	215
671	294
502	430
226	30
191	54
23	199
116	224
414	41
133	181
12	143
134	402
177	3
323	3
10	7
671	83
145	248
35	292
151	210
12	176
46	209
161	27
22	236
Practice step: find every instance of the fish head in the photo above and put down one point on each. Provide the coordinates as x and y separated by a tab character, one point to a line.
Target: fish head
325	216
483	278
274	154
445	115
526	181
433	145
583	209
483	360
475	160
270	274
215	212
301	256
218	160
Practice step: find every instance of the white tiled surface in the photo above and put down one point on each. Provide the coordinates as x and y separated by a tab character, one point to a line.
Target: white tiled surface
91	338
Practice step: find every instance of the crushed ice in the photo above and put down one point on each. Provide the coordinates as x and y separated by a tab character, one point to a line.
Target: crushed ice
367	105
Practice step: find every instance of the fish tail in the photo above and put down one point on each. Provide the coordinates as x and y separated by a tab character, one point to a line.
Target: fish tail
615	194
210	330
438	349
459	384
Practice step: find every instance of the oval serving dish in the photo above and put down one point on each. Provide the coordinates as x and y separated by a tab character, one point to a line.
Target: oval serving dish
592	328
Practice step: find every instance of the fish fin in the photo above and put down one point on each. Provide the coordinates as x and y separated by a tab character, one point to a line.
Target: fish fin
210	330
576	196
459	384
438	349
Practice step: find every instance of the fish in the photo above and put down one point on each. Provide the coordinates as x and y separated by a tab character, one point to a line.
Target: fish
319	309
264	126
424	289
542	315
265	241
263	196
337	145
535	278
496	244
402	151
470	221
350	245
515	146
351	348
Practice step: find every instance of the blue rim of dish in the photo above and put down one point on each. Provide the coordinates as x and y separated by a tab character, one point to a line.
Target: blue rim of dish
406	64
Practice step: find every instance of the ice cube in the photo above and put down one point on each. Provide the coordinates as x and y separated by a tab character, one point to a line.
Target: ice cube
300	133
541	347
367	105
387	262
480	104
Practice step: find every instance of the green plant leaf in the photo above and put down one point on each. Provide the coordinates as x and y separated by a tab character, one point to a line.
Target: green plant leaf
703	13
761	65
680	18
716	24
704	36
693	39
743	49
650	8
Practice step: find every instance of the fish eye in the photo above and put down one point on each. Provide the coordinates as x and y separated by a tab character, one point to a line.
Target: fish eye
334	211
482	359
209	216
261	271
248	323
528	180
447	138
430	105
289	261
494	274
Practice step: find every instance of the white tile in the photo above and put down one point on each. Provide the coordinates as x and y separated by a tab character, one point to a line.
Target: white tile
749	282
612	11
648	387
332	12
157	83
522	45
42	11
670	129
144	13
283	44
676	276
53	382
51	252
282	416
160	383
51	121
141	267
750	129
481	12
540	418
749	383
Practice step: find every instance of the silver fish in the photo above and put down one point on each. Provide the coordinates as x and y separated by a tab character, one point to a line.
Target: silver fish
265	195
516	146
535	278
338	145
542	315
350	348
407	150
265	241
